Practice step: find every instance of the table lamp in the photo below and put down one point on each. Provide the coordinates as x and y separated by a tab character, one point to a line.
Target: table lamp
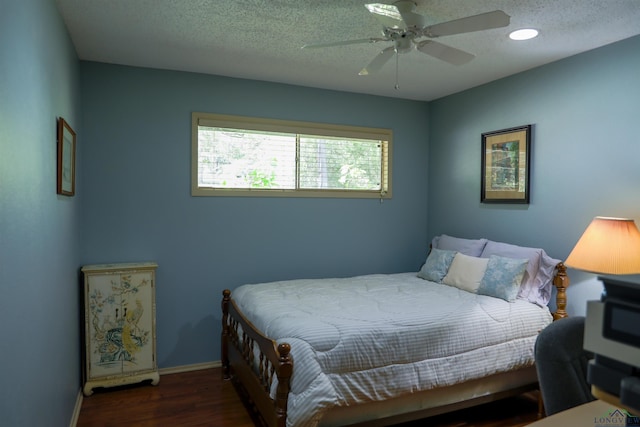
612	246
607	246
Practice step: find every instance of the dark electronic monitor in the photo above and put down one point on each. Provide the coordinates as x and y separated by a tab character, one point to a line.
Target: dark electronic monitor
622	309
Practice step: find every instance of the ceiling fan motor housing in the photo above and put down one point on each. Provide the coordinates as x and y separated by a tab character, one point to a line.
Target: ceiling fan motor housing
403	40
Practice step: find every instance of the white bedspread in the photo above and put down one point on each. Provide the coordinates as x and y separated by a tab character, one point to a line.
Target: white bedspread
379	336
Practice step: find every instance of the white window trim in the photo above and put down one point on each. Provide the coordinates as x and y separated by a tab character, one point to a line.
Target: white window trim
307	128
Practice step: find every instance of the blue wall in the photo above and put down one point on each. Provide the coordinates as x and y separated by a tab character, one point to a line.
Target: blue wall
133	198
138	206
585	154
39	230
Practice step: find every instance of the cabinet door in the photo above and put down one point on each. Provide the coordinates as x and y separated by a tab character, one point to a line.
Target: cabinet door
120	323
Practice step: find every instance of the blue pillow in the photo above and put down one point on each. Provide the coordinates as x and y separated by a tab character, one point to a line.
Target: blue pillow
437	265
503	277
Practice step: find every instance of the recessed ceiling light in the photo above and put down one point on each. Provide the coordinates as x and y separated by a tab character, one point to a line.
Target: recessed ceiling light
523	34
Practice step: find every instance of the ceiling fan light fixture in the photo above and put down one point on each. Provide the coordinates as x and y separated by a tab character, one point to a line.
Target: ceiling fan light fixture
524	34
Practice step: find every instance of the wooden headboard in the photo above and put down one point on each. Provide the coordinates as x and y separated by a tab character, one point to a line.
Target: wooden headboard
561	282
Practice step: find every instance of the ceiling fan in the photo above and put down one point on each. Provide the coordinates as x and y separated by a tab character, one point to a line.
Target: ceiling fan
405	28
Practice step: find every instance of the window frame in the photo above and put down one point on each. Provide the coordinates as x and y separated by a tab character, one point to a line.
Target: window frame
297	127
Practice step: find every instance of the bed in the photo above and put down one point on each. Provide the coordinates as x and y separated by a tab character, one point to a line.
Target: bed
388	348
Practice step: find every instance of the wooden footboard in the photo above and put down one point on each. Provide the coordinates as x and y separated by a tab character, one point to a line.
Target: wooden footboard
255	361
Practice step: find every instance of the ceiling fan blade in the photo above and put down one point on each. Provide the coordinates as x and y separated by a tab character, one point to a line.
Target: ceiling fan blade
483	21
378	62
407	8
387	14
446	53
344	43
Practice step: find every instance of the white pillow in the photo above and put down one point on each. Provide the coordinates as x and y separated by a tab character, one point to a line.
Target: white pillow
466	272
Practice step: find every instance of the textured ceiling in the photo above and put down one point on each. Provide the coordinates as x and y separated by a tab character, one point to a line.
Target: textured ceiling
262	39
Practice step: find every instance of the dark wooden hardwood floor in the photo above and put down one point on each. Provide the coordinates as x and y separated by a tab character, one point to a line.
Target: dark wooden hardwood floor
202	398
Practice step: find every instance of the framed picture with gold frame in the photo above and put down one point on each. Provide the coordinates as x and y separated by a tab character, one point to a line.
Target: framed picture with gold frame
66	159
505	165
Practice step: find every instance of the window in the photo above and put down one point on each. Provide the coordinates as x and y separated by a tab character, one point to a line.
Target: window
243	156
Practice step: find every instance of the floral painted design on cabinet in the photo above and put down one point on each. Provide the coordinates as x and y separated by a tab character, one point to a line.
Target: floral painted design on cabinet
118	334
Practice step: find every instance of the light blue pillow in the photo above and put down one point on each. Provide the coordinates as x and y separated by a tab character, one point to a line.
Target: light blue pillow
437	265
538	276
503	277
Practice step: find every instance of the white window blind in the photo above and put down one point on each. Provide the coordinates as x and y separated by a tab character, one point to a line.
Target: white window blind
242	156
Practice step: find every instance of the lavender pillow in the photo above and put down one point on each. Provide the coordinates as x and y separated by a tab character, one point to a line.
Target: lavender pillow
471	247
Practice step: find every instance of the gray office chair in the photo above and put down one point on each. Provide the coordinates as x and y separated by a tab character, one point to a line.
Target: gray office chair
561	363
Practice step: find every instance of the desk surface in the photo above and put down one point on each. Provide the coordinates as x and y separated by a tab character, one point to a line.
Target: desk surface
586	415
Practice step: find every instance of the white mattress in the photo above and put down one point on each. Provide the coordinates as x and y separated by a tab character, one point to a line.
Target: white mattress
373	337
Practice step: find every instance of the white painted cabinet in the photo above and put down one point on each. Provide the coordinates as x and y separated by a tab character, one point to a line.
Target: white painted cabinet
119	325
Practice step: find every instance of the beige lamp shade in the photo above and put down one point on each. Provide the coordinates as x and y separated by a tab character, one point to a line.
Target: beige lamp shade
608	246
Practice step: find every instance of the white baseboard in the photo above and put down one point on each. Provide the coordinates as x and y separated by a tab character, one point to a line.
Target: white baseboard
76	409
189	368
163	371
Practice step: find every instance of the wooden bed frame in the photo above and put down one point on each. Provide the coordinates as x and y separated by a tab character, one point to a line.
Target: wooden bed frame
240	339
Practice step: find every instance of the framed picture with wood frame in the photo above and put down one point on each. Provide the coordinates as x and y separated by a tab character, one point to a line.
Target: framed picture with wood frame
66	159
505	165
